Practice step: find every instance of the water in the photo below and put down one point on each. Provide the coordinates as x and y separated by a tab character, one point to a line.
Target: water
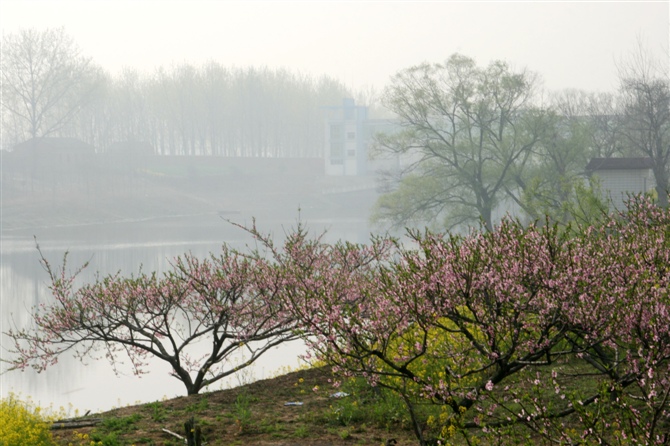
93	385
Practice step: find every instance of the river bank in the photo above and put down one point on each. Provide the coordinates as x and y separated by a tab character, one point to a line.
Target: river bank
123	222
181	205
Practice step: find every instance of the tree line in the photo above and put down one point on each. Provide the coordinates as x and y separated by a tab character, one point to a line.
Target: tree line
50	89
473	139
480	138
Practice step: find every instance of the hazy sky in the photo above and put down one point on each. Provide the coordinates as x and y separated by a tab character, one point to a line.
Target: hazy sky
570	44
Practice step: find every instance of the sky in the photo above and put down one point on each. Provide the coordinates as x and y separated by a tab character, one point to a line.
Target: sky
569	44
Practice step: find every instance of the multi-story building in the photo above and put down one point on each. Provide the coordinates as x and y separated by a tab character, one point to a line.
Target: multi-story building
348	137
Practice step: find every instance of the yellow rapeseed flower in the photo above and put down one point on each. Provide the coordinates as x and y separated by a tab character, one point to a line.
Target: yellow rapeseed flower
23	423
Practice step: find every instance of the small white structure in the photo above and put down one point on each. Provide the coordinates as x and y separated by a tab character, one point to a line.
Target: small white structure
622	177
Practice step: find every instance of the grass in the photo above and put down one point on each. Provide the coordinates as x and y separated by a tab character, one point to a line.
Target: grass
252	414
256	413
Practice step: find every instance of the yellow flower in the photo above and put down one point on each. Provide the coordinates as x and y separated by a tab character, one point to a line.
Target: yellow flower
23	423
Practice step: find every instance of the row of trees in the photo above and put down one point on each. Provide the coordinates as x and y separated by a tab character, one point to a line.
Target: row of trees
544	332
476	139
50	89
479	139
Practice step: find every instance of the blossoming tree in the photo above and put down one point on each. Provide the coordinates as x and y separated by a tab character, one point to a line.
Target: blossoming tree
537	332
532	331
195	317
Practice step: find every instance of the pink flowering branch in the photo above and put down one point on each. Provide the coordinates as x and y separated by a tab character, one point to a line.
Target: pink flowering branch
194	317
466	322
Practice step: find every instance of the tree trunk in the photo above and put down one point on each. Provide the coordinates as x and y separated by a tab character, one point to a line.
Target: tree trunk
662	187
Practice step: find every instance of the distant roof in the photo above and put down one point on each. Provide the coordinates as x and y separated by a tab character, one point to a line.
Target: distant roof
619	164
53	144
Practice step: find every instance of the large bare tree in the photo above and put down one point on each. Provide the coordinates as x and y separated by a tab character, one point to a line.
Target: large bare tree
45	81
469	130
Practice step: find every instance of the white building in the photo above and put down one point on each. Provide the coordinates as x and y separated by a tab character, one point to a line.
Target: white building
622	177
348	136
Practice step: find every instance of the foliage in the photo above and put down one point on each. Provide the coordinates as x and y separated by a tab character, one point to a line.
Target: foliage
110	432
23	423
554	184
194	317
243	416
370	405
158	412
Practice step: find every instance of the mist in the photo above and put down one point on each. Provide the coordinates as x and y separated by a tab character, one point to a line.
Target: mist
148	129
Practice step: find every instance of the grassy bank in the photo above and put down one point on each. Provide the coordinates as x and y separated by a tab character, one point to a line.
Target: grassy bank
252	414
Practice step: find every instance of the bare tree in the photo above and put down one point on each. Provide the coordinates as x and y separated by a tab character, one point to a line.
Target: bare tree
645	91
471	130
604	111
45	80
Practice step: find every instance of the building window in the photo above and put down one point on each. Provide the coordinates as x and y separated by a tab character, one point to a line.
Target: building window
351	152
336	132
336	149
336	141
351	136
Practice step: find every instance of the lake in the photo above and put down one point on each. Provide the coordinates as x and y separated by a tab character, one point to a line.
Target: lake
125	247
